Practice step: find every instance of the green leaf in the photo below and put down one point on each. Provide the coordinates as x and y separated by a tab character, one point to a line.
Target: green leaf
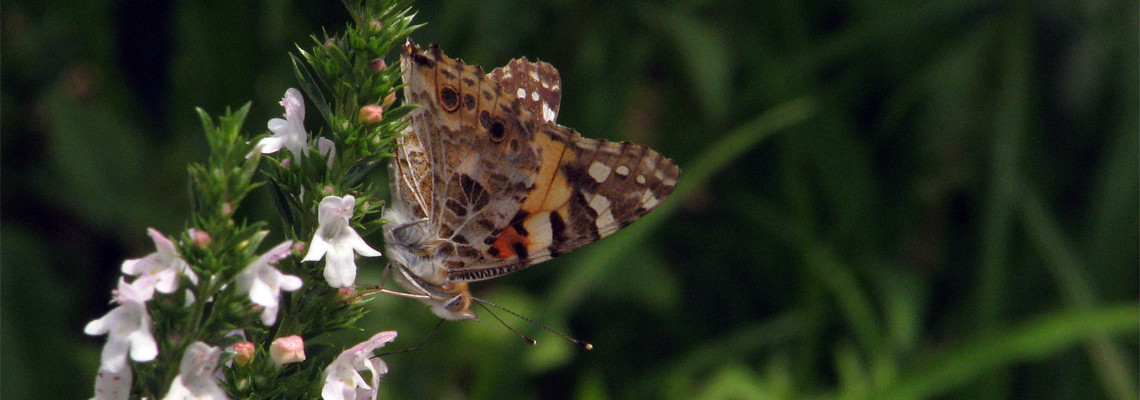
1034	340
311	87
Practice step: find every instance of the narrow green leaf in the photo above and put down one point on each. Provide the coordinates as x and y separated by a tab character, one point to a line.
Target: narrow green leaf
1034	340
311	88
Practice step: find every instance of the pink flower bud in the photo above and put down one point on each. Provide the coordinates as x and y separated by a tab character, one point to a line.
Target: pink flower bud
287	349
245	352
200	238
376	25
379	65
299	247
345	293
370	114
388	100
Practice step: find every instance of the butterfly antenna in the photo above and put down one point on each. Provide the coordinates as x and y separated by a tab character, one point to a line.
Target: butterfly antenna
484	303
416	347
520	335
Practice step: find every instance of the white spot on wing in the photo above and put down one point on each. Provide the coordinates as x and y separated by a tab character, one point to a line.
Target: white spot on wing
604	220
648	200
599	171
521	93
622	170
641	179
547	113
599	203
538	230
602	205
534	95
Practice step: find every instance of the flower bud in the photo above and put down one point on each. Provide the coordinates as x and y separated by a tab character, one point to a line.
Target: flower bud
245	352
298	247
370	114
376	25
201	239
379	65
287	349
388	100
345	293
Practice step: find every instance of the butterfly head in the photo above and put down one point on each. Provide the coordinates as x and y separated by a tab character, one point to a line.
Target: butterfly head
412	250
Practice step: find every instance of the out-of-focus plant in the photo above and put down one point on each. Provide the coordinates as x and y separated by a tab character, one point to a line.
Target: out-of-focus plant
212	286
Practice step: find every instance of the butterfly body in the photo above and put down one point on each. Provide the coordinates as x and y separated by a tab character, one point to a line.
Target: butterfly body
485	183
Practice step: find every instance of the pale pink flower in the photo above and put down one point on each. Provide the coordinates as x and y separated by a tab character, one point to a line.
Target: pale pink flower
127	327
162	268
288	133
265	283
195	380
337	242
342	377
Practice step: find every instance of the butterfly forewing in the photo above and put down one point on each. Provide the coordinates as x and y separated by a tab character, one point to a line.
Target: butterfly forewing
536	85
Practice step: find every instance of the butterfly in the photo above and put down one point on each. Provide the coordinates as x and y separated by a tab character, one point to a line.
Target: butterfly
485	183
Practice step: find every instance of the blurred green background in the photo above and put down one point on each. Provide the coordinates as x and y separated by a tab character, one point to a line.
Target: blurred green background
884	199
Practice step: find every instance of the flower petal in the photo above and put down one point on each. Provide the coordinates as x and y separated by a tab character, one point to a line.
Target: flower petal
143	347
269	145
113	385
317	248
340	268
114	355
289	283
261	294
97	327
358	244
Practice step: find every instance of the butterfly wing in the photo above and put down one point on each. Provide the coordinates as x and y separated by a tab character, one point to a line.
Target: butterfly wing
536	85
478	141
510	187
409	175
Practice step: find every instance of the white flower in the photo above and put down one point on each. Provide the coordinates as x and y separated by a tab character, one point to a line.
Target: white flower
289	349
160	269
265	283
342	379
127	326
336	241
195	380
289	132
111	385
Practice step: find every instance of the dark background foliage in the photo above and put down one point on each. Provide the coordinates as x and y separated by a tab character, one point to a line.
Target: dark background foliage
911	199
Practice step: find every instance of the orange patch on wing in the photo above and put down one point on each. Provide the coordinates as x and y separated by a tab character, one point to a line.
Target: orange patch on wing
550	187
507	243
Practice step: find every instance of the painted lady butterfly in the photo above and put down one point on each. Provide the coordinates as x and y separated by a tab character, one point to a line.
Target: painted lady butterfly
485	183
